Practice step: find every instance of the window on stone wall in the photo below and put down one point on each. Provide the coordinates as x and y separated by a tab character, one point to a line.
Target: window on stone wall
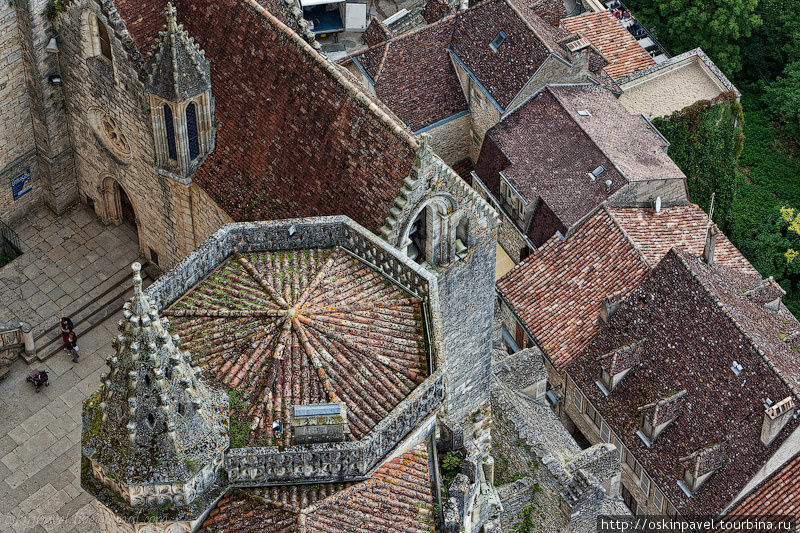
462	239
419	237
105	42
658	499
191	131
644	484
169	124
578	398
97	38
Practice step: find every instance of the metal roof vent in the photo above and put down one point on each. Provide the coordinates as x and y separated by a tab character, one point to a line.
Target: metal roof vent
736	368
499	39
596	172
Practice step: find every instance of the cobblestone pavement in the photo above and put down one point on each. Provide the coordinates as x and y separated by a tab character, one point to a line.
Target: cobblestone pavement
39	447
63	258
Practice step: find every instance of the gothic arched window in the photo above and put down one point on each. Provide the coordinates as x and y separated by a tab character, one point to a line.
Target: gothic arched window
170	126
191	131
418	235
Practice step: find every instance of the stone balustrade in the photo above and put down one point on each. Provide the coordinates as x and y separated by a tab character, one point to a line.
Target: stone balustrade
340	461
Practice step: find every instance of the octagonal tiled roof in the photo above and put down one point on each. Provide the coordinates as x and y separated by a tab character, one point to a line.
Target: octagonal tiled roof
284	328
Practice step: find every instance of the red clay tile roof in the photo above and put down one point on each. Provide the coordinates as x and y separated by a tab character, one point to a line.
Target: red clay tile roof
695	321
778	495
557	291
414	77
549	156
683	226
397	498
292	137
624	54
288	328
503	73
143	19
628	140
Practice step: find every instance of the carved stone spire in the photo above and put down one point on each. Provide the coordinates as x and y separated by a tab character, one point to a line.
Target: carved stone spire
153	421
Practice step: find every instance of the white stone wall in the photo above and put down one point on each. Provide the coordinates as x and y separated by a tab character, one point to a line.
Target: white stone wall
670	89
451	140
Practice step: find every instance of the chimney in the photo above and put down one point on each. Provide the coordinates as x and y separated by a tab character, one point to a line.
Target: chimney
711	244
609	306
658	415
615	365
318	422
775	418
767	293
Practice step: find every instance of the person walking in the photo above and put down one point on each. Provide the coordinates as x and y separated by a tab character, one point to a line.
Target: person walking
73	346
66	329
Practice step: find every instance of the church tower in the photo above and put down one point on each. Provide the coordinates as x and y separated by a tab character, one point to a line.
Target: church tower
181	104
154	434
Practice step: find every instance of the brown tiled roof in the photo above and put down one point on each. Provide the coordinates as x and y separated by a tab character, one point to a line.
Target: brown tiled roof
503	73
624	54
695	320
683	226
295	137
549	156
629	141
143	19
302	327
414	77
557	291
778	495
397	498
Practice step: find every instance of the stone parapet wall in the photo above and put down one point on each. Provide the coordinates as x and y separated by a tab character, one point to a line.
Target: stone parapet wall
335	462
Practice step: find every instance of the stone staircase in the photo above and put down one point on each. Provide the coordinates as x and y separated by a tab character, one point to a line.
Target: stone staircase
102	302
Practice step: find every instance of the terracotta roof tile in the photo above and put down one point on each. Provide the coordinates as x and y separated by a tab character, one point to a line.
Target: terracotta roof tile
624	54
695	320
143	19
557	291
311	326
778	495
294	136
397	498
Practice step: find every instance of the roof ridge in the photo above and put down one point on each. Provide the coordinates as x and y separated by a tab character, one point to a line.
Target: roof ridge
399	130
382	62
720	304
608	211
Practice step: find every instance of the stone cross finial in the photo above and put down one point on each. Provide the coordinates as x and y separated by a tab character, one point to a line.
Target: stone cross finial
141	306
172	17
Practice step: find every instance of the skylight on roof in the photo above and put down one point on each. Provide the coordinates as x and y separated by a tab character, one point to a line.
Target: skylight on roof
499	39
584	113
596	172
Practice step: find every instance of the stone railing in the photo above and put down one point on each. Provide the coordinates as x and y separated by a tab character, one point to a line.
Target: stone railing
16	336
340	461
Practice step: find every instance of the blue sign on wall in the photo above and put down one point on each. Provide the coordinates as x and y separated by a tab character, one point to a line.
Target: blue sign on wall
21	183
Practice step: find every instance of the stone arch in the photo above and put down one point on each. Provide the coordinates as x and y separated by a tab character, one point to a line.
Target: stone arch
435	246
96	37
117	206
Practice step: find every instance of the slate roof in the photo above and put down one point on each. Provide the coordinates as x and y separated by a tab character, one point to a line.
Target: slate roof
311	326
683	226
557	291
505	72
397	498
694	320
617	45
778	495
546	153
413	76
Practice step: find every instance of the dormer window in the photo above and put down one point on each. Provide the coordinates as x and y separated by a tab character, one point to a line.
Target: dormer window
699	466
614	366
658	415
499	39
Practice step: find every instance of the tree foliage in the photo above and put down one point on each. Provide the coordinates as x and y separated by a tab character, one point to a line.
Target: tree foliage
706	141
717	26
783	99
773	44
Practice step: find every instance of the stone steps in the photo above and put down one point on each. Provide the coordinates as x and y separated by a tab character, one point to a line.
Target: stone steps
102	301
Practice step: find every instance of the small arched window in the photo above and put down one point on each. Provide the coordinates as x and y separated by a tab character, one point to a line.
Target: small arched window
191	131
169	123
151	420
104	41
462	238
418	234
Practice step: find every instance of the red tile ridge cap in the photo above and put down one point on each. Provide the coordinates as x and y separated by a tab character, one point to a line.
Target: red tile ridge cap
545	42
387	44
398	129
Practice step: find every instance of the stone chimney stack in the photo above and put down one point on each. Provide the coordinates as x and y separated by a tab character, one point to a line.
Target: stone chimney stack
775	418
711	244
609	306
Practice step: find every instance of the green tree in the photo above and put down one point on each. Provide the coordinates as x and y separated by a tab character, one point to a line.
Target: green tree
783	99
706	141
714	25
773	44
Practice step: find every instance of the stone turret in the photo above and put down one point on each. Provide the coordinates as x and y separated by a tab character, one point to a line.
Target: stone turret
153	433
181	104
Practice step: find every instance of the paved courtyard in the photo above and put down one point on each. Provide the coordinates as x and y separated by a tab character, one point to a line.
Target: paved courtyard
63	259
39	448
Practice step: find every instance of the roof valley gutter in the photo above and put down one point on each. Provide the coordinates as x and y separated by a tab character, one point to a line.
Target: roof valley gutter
530	80
443	121
473	78
398	129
